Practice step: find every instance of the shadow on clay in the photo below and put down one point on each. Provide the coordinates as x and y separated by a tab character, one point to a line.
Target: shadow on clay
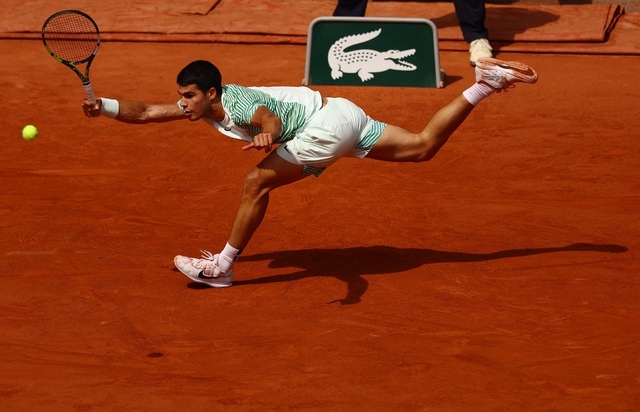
351	264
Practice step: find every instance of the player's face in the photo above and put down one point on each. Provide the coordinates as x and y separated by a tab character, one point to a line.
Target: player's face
194	102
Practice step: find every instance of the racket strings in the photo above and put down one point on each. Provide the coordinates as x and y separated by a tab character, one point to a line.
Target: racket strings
72	37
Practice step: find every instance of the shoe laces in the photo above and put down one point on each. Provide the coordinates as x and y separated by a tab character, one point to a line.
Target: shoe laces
496	75
505	88
208	266
206	262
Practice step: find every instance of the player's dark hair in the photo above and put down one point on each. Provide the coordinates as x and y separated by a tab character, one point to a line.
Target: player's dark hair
203	74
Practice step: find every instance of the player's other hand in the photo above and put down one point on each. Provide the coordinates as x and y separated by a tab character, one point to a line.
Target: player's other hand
92	109
261	141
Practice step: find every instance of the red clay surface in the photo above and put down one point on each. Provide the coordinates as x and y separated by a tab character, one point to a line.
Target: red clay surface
502	275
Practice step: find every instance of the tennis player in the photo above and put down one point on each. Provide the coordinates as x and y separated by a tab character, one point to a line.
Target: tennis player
311	132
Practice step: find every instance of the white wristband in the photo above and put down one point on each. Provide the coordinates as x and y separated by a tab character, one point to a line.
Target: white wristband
110	107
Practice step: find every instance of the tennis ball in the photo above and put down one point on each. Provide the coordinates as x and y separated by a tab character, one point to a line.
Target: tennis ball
29	132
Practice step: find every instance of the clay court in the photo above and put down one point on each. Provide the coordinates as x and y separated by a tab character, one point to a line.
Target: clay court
502	275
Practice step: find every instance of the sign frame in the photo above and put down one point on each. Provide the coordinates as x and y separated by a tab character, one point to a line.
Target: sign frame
369	38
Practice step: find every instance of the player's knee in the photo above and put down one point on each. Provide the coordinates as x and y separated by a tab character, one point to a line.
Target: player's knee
427	150
419	154
421	148
253	185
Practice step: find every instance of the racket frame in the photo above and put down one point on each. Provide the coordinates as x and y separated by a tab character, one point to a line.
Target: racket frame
84	77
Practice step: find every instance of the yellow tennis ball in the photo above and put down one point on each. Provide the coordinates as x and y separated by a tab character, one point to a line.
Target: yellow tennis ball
29	132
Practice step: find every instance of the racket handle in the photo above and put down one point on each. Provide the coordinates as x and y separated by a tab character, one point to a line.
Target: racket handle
89	91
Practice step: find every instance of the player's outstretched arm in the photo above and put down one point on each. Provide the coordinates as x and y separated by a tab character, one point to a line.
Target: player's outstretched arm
133	111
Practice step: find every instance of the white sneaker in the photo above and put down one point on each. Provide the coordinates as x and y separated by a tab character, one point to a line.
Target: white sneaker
501	74
204	270
478	49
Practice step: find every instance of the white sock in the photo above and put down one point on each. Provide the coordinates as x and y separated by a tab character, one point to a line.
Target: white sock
476	93
227	257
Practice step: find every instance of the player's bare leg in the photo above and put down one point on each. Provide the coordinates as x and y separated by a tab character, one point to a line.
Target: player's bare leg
217	271
492	75
399	145
271	173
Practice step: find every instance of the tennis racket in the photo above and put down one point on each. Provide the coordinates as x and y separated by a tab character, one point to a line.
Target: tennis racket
72	38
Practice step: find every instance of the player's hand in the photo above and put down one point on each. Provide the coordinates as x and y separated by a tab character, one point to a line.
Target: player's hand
91	109
261	141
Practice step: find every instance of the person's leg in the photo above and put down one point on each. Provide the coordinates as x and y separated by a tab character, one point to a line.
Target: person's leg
492	75
350	8
471	16
399	145
270	173
217	270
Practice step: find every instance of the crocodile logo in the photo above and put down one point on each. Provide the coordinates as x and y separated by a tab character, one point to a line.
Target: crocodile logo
365	62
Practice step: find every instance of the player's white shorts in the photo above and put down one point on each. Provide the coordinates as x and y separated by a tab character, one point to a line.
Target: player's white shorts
339	129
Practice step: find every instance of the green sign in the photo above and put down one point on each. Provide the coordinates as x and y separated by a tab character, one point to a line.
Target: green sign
373	52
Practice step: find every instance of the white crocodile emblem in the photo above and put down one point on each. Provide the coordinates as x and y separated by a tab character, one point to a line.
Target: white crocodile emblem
365	62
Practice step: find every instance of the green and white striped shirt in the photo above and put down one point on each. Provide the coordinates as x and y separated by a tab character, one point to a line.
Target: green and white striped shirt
293	105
